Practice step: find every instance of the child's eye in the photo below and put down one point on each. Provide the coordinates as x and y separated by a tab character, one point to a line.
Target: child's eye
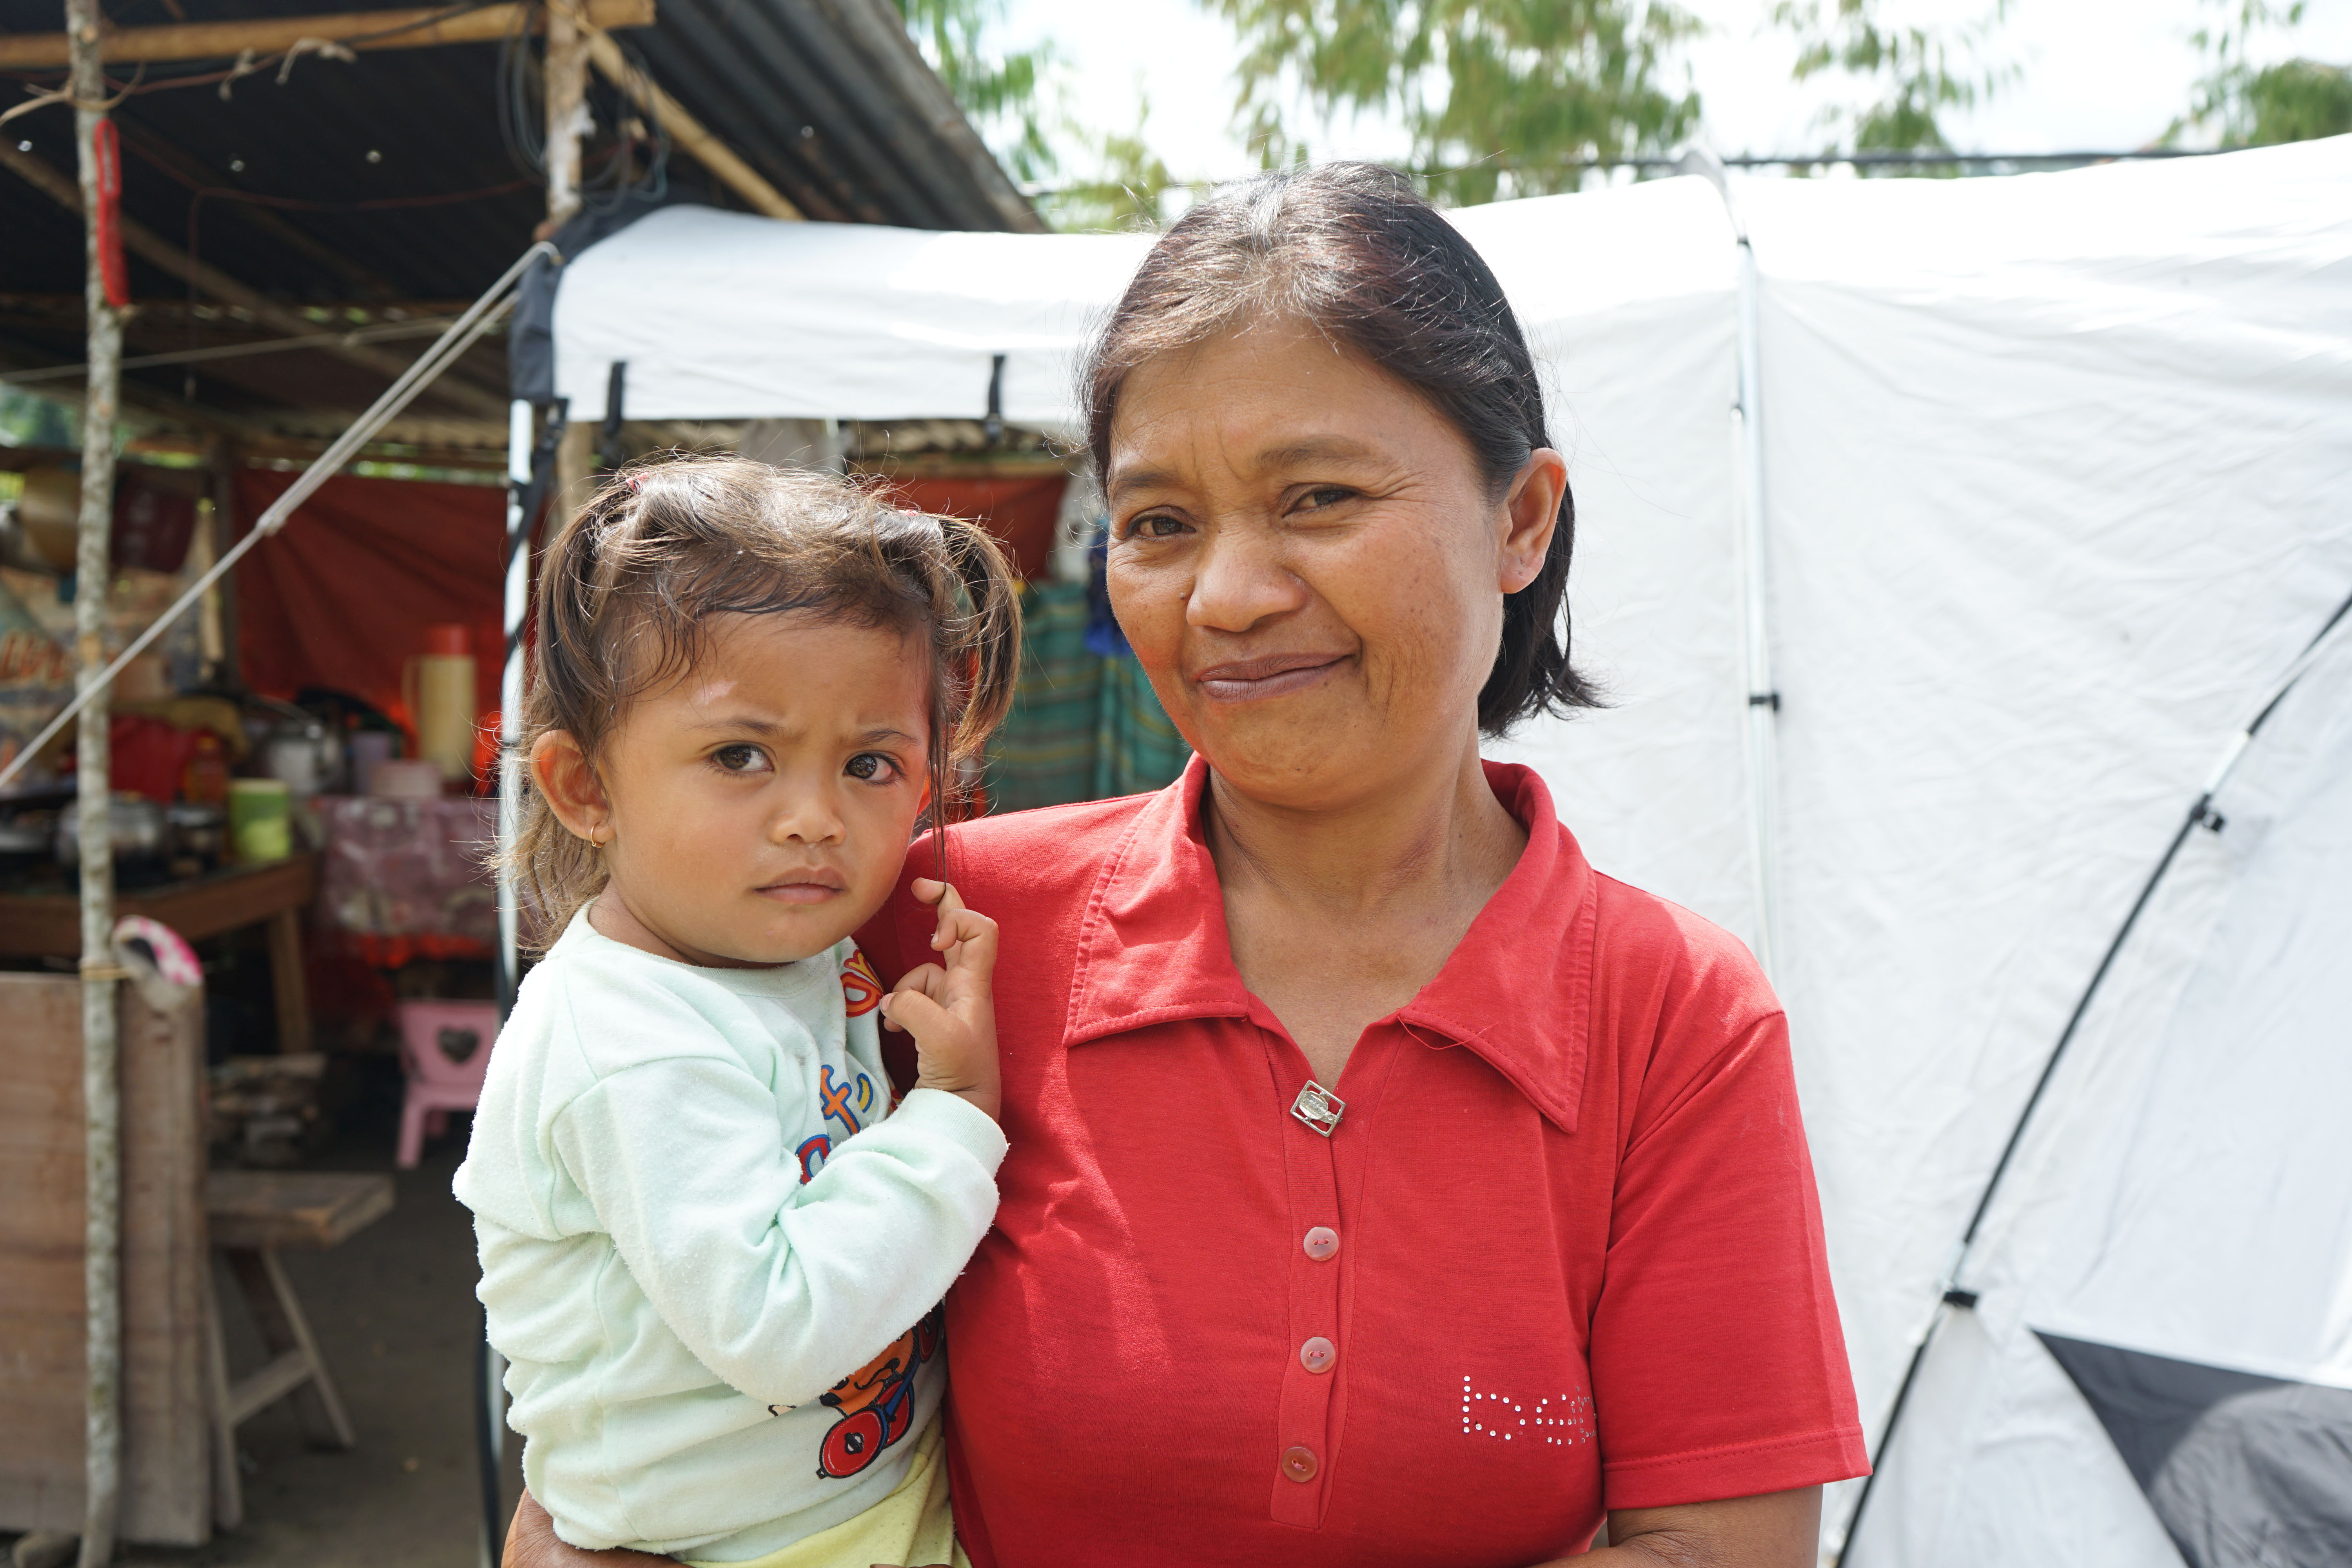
873	767
741	758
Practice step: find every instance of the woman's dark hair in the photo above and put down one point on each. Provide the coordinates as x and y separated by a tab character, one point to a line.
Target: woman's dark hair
1351	251
630	588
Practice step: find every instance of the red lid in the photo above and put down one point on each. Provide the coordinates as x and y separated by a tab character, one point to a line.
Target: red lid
448	637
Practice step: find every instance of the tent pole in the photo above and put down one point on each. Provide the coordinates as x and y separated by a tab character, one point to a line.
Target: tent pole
101	1047
1763	697
1952	1293
1761	740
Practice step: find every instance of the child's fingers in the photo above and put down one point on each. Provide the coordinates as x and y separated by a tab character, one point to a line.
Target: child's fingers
969	941
927	889
909	1008
924	979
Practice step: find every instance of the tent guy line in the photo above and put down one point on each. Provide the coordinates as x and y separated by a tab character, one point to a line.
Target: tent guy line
478	318
1951	1294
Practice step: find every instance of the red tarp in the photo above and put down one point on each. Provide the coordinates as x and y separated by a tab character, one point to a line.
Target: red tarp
342	598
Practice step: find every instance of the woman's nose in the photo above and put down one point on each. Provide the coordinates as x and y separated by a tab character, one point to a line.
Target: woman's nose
1240	583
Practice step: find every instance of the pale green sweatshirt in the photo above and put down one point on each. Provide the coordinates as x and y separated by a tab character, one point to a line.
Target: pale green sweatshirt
698	1217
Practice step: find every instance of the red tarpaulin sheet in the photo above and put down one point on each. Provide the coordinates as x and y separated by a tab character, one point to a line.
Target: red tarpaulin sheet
342	598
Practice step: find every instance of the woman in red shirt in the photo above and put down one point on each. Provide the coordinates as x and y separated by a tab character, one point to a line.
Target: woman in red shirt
1387	1186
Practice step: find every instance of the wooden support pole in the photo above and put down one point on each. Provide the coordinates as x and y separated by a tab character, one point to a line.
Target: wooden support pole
100	1043
686	131
566	79
144	241
357	30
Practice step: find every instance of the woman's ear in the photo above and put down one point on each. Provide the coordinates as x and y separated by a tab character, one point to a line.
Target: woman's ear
573	792
1530	516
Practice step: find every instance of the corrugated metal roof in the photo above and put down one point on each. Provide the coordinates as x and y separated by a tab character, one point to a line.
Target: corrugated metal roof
388	177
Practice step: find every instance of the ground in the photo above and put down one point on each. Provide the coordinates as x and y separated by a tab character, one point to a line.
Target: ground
394	1313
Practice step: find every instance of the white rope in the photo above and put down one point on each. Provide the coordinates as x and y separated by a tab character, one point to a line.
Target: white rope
463	333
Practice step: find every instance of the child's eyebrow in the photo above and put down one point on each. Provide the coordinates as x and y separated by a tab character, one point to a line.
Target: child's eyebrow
879	735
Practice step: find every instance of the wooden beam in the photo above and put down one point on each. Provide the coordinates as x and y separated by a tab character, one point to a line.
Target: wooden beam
137	237
686	131
406	29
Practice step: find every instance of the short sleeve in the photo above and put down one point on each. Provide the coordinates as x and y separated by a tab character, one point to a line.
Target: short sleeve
1718	1366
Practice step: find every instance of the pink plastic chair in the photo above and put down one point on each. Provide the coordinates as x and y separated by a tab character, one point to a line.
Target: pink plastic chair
445	1049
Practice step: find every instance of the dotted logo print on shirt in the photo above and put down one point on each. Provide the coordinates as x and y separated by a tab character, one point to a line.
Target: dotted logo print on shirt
1557	1420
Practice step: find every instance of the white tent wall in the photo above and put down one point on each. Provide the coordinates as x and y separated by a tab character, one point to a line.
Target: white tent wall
1629	300
2055	473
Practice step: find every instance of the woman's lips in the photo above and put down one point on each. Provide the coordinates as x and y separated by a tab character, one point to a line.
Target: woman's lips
1275	675
805	887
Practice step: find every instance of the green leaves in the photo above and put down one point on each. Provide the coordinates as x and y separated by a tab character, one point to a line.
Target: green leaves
999	88
2294	100
1913	74
1500	97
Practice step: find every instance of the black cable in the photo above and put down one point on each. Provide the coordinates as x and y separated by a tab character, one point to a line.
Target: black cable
1954	1296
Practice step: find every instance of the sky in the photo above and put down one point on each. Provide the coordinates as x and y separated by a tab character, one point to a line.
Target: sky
2094	75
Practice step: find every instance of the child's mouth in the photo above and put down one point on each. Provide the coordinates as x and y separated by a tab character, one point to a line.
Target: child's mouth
815	887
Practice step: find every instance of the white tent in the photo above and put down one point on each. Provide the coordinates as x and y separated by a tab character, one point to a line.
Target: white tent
2054	478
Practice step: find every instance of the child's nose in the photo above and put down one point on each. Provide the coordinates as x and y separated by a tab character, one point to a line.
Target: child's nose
807	817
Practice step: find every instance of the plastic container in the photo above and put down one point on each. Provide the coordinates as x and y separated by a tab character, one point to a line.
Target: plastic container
438	688
261	825
405	778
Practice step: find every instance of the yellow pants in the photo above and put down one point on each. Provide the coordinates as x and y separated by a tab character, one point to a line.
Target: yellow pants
911	1528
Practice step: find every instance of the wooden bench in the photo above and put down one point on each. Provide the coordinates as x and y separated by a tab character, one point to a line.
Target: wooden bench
254	1215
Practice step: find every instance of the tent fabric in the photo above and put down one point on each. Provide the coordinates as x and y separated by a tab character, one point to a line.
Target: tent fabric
2054	470
2245	1472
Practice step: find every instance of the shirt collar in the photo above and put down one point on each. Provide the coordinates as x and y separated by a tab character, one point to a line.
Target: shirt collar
1153	946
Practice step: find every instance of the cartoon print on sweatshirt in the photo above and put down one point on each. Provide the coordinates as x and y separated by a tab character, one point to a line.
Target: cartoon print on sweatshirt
861	988
875	1404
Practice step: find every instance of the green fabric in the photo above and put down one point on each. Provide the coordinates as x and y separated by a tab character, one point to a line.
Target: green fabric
1082	726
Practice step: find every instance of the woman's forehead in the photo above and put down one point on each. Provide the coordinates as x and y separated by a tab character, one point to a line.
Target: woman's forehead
1255	400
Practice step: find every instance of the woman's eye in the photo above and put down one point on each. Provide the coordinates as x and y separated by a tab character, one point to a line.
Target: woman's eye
873	767
741	758
1326	495
1155	528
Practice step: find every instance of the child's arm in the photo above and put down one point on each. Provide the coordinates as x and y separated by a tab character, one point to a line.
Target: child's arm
779	1289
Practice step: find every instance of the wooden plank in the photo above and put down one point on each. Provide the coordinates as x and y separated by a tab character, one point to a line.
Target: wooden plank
420	27
283	1209
165	1272
49	924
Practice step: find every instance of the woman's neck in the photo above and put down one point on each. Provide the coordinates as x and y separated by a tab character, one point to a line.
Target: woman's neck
1339	916
1438	833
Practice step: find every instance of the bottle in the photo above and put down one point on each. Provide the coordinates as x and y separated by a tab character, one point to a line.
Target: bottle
205	780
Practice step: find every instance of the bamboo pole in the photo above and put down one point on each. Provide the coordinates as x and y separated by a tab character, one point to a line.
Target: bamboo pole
566	79
685	130
101	1085
409	29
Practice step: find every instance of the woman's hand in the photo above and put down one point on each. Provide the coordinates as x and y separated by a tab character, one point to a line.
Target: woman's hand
531	1542
951	1011
1779	1530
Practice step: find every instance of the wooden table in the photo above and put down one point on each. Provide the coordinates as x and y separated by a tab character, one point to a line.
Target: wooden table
42	925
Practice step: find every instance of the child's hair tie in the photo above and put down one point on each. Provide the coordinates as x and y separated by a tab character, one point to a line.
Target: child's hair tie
636	482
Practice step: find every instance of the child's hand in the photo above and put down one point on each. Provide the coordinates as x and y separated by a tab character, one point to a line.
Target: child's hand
952	1012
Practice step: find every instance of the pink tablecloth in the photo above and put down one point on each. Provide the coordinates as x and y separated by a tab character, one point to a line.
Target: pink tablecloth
408	868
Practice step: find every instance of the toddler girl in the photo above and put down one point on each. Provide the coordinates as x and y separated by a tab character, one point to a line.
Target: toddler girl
711	1246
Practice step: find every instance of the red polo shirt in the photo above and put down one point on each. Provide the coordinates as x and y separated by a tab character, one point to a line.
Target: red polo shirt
1561	1252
